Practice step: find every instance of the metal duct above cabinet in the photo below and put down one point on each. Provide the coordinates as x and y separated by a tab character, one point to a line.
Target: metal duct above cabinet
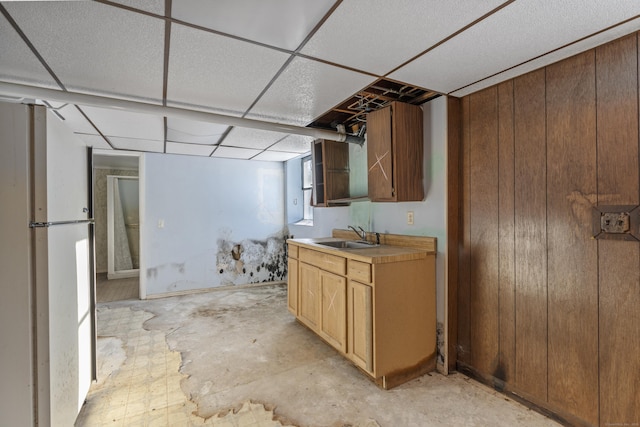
395	153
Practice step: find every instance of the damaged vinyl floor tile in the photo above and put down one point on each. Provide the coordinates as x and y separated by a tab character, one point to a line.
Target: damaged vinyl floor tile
237	358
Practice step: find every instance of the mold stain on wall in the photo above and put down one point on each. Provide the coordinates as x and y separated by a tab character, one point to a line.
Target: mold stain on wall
251	261
440	342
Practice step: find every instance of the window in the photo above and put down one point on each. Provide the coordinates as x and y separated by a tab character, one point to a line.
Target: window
307	187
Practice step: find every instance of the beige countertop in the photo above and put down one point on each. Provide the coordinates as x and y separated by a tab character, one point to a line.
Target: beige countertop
373	255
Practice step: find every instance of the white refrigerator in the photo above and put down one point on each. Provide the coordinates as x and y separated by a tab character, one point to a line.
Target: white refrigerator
47	302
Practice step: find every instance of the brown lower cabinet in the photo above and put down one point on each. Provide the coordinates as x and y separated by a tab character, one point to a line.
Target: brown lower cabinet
379	312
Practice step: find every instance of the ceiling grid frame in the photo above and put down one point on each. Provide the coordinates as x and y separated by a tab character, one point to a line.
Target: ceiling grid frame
47	67
578	43
284	66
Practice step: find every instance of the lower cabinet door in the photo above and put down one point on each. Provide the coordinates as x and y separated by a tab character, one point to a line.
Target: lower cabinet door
361	325
309	296
334	310
292	286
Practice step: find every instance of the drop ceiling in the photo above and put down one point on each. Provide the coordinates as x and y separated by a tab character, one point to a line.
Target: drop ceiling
317	63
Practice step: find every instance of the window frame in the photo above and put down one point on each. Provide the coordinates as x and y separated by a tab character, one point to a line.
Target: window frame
307	192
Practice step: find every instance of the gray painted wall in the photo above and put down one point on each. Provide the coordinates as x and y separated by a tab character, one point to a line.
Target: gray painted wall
293	201
196	212
429	214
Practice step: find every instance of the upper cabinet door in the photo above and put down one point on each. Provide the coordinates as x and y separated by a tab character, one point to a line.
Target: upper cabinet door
379	155
331	172
395	153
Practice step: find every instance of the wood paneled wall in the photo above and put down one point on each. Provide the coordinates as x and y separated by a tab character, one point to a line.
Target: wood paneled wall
541	308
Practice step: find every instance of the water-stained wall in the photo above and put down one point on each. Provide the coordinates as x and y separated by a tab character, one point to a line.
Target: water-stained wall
200	214
250	261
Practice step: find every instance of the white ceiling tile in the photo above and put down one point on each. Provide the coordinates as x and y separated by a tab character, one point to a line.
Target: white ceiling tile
378	35
516	33
183	130
153	6
252	138
305	90
137	144
235	153
294	143
75	121
94	48
95	141
126	123
17	63
553	57
190	149
281	23
275	156
219	72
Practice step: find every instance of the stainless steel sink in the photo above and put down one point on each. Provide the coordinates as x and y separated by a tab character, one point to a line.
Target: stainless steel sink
348	244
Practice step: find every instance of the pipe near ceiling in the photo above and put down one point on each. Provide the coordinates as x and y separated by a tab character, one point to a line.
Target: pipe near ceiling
33	92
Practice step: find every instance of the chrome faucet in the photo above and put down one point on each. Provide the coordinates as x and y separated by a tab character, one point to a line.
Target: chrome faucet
361	234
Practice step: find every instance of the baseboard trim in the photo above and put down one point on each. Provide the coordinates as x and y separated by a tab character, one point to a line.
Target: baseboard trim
521	397
214	289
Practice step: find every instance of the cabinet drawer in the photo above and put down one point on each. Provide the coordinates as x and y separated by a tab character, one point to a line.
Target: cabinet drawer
332	263
293	250
360	271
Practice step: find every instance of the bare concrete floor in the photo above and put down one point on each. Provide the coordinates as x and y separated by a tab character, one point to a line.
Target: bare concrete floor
242	345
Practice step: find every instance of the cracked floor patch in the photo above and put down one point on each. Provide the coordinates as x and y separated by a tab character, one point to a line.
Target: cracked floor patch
139	381
249	415
142	389
199	354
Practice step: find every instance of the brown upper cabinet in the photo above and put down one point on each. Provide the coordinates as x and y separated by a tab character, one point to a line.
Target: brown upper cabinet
330	172
394	153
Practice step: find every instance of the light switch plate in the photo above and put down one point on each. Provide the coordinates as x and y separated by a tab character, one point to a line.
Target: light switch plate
410	217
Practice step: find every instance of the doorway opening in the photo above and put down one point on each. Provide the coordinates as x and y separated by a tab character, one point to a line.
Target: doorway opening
123	227
117	224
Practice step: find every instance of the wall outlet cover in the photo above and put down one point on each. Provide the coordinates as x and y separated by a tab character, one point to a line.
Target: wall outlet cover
616	222
410	217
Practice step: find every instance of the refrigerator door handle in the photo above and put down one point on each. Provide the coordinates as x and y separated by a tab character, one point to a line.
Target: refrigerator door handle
34	224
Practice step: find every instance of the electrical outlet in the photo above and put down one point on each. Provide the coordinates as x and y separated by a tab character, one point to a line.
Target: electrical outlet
410	217
614	222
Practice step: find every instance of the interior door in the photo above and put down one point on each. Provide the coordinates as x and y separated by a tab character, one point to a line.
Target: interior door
92	264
